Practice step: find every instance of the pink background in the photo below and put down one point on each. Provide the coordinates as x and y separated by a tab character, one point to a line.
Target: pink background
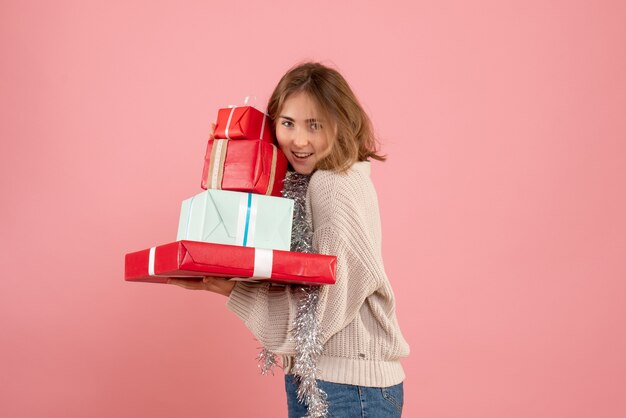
503	199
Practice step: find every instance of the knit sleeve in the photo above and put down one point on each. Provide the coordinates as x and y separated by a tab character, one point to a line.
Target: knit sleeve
346	224
268	312
344	212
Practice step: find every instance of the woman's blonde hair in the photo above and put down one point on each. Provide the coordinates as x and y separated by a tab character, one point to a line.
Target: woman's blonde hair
355	140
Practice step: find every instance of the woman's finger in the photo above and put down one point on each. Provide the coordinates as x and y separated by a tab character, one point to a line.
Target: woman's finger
212	284
219	285
212	131
188	284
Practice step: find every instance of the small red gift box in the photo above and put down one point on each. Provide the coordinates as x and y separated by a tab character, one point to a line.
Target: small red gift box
194	259
244	166
243	122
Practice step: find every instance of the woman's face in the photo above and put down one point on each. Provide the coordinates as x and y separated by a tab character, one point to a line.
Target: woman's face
302	135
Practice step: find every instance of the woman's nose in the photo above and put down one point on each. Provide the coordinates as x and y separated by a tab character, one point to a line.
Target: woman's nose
300	139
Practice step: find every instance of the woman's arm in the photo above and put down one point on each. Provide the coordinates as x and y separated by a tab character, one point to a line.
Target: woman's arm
345	222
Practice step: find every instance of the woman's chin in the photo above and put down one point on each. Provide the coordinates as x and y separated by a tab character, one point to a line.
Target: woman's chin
304	169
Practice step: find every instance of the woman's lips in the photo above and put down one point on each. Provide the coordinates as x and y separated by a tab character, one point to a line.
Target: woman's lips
301	155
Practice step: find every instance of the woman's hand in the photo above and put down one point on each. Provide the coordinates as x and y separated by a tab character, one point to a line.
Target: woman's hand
212	284
212	132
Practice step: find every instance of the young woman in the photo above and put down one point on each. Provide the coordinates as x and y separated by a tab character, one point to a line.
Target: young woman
340	344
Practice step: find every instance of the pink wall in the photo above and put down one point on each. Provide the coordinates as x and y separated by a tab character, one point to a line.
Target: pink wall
503	199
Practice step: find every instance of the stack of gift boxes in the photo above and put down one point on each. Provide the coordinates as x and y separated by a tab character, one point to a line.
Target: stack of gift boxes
239	226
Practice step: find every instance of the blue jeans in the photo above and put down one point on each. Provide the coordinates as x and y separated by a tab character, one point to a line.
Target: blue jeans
348	401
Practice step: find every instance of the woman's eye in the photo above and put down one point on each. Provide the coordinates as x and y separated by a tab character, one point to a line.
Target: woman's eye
287	124
316	126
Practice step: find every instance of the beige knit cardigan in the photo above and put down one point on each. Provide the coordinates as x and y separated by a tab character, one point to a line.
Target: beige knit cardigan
358	326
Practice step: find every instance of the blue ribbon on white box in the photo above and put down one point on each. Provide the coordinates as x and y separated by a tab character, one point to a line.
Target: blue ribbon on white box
237	218
246	223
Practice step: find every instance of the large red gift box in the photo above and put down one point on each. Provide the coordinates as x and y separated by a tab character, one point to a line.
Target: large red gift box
196	259
243	122
244	166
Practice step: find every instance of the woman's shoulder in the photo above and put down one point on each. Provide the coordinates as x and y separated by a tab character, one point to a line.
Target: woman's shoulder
335	195
326	181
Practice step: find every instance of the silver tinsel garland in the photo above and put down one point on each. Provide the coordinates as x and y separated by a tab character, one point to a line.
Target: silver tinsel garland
308	349
306	331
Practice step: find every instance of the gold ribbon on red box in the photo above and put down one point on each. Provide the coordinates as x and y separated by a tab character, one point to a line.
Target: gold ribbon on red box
244	166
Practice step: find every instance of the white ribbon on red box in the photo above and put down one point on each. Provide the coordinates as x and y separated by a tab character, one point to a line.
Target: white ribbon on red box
263	260
232	112
151	261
